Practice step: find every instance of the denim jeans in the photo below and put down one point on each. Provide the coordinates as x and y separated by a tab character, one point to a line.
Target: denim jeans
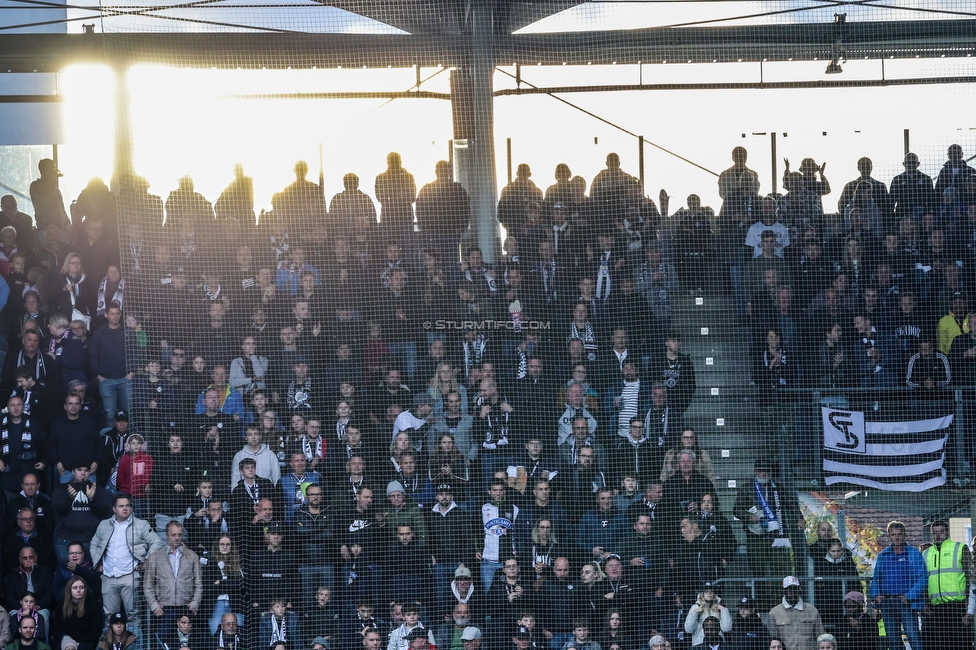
116	394
488	571
897	616
406	353
220	608
313	577
443	575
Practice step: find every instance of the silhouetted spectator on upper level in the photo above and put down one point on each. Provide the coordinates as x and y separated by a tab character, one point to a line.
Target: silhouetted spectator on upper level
11	216
96	201
185	206
302	201
237	199
738	186
396	190
810	172
561	191
515	199
879	191
444	211
911	191
136	203
352	207
613	187
956	174
46	197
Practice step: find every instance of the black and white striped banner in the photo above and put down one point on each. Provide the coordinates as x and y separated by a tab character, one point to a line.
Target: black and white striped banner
903	455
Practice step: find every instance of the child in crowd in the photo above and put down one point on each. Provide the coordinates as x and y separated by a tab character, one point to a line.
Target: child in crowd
134	474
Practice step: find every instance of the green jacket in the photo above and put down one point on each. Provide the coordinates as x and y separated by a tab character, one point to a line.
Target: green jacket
38	645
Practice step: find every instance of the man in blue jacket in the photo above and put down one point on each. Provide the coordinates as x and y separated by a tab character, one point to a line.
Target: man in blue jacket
898	587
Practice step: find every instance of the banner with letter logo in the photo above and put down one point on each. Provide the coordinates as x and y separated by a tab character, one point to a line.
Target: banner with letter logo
903	455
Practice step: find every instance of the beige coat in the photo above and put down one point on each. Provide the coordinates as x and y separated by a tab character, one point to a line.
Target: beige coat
798	629
164	590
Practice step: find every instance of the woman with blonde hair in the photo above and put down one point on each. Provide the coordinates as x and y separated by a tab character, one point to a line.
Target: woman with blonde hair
443	382
77	297
708	604
543	551
592	593
399	447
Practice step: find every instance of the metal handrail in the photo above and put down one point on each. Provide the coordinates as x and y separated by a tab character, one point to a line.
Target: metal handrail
751	583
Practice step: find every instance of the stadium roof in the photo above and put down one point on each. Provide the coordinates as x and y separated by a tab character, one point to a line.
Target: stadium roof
306	33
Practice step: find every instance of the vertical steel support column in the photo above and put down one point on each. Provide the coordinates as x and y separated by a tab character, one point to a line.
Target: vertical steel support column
123	134
484	196
640	157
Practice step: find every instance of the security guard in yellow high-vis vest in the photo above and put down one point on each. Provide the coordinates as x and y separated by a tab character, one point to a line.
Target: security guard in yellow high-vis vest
945	619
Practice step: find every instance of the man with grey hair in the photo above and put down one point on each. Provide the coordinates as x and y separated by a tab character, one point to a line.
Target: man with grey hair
686	487
172	579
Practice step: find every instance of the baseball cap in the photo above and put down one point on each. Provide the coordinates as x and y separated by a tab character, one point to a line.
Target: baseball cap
762	464
444	487
746	602
462	572
121	415
394	486
523	633
790	581
117	617
470	633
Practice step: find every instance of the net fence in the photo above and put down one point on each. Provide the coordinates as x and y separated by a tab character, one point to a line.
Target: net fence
526	325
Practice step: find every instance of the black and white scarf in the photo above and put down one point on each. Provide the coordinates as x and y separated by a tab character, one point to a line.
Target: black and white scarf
587	336
116	297
75	284
470	274
523	364
213	293
311	454
27	442
228	642
278	632
299	394
280	246
549	280
473	351
40	368
136	251
188	246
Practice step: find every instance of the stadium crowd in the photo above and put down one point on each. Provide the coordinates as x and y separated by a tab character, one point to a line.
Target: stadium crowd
333	427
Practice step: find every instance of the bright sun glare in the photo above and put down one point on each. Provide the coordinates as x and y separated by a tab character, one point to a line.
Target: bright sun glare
202	122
